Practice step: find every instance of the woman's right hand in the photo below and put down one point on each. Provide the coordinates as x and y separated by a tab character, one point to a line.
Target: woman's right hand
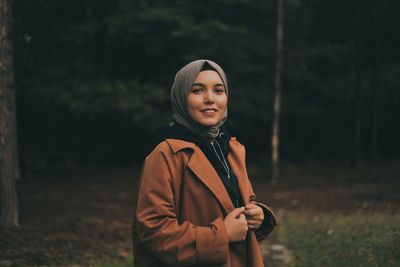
236	225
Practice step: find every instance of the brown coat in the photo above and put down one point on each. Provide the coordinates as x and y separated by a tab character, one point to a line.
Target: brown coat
180	209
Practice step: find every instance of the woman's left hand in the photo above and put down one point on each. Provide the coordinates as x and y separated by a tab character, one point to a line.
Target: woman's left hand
254	216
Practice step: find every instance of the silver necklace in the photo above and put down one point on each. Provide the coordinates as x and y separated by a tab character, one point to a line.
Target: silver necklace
223	161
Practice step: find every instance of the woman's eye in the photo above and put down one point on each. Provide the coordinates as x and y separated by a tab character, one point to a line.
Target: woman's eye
219	90
196	90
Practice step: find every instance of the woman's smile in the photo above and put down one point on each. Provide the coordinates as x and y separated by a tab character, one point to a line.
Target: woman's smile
209	112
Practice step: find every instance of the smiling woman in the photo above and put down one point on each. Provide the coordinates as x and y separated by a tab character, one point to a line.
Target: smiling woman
195	204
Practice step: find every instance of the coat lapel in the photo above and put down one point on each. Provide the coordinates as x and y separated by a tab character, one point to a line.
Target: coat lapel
203	169
236	160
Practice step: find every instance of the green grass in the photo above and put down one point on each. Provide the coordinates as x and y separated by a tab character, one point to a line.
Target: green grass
371	240
128	262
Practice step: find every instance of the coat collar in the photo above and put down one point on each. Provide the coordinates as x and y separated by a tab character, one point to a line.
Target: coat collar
205	172
177	144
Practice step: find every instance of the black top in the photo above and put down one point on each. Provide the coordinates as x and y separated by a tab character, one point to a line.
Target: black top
216	153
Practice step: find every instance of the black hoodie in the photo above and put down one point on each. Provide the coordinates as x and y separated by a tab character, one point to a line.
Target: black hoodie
216	153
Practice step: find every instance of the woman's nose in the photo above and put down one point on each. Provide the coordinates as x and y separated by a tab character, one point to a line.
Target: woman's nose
209	96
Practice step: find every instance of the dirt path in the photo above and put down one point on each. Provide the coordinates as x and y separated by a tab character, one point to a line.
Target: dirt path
274	253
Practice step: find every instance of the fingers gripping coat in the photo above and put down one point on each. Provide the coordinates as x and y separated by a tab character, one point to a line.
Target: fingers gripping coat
180	209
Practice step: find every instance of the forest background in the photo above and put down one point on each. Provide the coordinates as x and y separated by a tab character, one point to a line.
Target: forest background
94	77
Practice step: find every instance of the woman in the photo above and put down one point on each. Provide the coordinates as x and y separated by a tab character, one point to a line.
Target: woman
195	204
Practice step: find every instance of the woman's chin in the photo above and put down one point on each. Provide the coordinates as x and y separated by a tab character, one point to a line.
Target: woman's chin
208	123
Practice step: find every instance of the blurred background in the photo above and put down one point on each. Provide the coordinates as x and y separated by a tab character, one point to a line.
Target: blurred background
93	80
94	77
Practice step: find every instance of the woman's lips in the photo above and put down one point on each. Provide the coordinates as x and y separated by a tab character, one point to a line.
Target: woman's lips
209	112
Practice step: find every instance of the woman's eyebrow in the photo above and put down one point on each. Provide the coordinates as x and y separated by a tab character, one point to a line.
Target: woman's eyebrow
197	84
201	84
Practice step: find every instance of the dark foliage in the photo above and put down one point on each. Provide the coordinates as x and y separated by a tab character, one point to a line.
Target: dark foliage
94	76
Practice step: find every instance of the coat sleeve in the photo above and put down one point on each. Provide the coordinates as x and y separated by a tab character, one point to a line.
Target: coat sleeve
269	222
174	243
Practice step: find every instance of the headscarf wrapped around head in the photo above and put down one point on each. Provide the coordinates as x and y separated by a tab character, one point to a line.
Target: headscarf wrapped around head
180	89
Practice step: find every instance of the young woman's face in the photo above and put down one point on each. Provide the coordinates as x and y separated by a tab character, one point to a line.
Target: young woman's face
207	99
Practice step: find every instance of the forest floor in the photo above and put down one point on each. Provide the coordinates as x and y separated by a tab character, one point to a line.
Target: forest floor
329	208
84	218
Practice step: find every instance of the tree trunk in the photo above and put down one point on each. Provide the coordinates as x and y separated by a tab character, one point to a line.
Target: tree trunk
278	93
9	167
357	94
375	81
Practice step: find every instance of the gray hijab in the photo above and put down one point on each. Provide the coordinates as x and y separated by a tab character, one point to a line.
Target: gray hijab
179	94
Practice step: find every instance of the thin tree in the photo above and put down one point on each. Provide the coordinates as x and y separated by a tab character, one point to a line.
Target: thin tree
9	168
278	92
357	93
375	79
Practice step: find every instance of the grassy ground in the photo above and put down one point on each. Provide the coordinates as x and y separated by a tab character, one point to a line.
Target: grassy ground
335	215
342	240
84	218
